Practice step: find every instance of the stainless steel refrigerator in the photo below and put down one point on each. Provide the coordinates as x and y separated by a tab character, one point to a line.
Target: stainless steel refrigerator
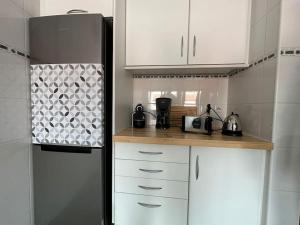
71	100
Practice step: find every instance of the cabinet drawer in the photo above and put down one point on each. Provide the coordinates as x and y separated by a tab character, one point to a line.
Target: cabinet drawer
154	170
148	210
150	152
162	188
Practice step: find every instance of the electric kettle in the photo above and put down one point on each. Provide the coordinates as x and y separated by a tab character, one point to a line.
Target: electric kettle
232	125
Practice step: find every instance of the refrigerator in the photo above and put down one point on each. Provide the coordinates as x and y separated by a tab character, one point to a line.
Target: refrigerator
71	104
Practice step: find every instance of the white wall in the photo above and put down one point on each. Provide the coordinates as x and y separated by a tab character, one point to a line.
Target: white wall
57	7
284	199
15	147
251	92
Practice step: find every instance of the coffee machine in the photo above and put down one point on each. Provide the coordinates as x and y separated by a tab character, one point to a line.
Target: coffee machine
163	111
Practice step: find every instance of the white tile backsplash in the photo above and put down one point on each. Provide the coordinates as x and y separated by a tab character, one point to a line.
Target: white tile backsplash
205	91
289	80
284	208
251	92
12	24
15	185
13	81
259	36
32	7
15	132
284	197
267	82
290	35
266	122
256	119
287	125
272	30
272	3
259	9
14	119
19	3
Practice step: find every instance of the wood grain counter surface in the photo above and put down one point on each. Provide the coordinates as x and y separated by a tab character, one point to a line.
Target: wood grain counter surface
174	136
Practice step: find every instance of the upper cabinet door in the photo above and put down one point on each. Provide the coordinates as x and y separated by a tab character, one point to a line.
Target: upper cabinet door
219	32
156	32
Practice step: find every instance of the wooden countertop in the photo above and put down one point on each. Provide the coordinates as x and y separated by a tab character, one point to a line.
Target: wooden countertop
174	136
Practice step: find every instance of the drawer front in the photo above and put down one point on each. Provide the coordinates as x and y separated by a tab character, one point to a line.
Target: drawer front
161	188
149	152
154	170
149	210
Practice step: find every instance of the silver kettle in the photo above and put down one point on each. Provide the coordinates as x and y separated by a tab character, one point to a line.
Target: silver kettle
232	125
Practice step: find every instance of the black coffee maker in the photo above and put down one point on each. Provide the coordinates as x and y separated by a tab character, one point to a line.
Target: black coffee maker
163	111
139	117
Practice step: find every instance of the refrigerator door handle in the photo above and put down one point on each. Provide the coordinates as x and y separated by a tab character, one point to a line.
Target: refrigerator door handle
74	11
68	149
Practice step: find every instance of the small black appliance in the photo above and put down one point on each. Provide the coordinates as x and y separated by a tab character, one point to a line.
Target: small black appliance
197	124
163	112
200	124
139	117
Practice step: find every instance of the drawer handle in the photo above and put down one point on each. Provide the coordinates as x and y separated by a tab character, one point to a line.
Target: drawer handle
151	153
150	188
151	206
151	171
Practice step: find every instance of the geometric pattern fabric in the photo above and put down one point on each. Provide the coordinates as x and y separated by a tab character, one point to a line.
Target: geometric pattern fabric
67	102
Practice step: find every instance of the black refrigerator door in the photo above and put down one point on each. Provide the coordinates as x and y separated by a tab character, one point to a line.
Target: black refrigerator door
68	186
66	39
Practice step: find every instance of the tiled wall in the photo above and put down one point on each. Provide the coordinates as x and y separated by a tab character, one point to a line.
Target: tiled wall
15	155
284	198
183	91
251	92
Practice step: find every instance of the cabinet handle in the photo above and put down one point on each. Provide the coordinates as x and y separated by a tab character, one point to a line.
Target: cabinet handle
151	153
151	171
182	46
197	167
151	206
150	188
194	46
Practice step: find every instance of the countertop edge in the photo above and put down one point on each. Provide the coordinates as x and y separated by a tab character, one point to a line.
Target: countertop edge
258	145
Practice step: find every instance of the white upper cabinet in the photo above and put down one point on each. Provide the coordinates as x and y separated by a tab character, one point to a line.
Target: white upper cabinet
219	31
226	186
188	34
156	32
58	7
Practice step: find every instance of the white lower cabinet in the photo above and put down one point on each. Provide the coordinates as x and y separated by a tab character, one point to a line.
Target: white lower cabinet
215	186
151	184
148	210
226	186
